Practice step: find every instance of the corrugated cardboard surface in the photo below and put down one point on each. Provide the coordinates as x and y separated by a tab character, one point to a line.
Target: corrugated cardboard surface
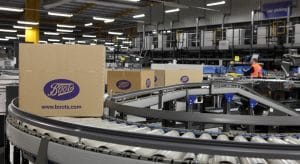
136	78
173	77
84	65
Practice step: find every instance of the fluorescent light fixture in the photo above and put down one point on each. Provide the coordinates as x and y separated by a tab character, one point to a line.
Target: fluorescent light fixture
93	44
208	9
169	31
133	0
3	39
106	20
109	21
63	30
11	37
66	26
57	43
120	38
20	36
60	14
22	27
108	43
88	24
53	40
51	33
172	10
81	41
154	32
12	9
68	38
28	23
216	3
71	43
126	42
115	33
139	16
43	41
89	36
6	30
124	47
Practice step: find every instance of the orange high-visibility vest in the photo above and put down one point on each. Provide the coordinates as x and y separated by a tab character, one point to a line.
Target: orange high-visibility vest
257	71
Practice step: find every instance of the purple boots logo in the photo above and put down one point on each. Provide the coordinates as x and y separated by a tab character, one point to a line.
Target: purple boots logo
61	89
123	84
184	79
148	83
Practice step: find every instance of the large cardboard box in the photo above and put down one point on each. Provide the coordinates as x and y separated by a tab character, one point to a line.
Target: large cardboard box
173	77
122	81
62	80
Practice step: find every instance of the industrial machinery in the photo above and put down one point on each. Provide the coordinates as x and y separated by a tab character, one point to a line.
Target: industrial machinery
291	60
146	127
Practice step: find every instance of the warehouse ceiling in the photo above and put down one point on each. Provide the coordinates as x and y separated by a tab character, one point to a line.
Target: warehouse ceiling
83	11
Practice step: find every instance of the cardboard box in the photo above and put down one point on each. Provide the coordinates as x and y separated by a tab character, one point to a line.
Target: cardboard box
122	81
62	80
173	77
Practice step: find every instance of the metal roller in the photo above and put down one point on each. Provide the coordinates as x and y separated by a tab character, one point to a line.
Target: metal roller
169	154
218	159
188	156
246	160
292	140
146	151
204	158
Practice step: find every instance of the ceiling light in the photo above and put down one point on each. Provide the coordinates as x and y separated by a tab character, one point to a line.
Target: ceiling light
172	10
20	36
3	39
88	24
122	47
169	31
43	41
106	20
6	30
139	16
11	37
89	36
109	21
63	30
115	33
71	43
133	0
22	27
57	43
12	9
81	41
108	43
60	14
28	23
53	40
119	38
67	38
51	33
126	42
93	44
66	26
216	3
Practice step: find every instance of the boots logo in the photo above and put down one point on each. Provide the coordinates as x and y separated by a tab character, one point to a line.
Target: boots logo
123	84
148	83
184	79
61	89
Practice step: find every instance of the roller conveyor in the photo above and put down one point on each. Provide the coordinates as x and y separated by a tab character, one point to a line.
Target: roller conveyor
117	141
162	154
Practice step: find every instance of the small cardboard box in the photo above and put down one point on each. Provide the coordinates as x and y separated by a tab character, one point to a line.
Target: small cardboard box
173	77
122	81
62	80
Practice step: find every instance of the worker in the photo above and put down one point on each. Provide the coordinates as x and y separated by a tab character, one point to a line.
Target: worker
256	71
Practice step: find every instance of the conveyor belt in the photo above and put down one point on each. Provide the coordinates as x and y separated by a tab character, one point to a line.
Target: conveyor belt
96	140
176	92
